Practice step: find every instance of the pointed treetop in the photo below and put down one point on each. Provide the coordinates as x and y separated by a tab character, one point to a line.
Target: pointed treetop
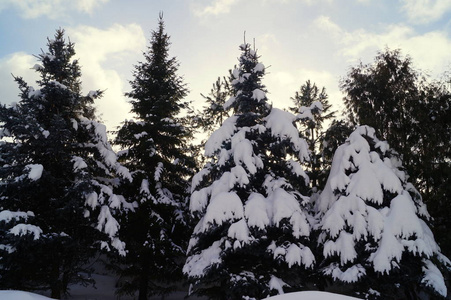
58	63
249	94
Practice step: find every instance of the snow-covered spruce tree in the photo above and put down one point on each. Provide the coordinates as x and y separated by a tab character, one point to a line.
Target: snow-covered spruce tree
374	227
311	105
154	148
253	232
57	205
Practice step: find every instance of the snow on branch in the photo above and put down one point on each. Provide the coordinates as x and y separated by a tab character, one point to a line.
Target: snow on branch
34	171
220	136
281	125
25	229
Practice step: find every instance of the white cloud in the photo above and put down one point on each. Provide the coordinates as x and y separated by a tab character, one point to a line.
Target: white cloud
53	9
107	58
285	76
216	8
359	41
18	64
285	84
430	51
425	11
324	23
326	79
267	43
88	6
308	2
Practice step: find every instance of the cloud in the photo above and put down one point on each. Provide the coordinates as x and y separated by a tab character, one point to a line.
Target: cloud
53	9
285	76
324	23
307	2
88	6
267	43
430	50
425	11
107	58
17	64
216	8
284	84
326	79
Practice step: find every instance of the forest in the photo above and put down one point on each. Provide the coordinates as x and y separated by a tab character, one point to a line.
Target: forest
237	199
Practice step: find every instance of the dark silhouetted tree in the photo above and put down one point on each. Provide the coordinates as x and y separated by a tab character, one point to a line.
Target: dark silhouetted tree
57	187
155	149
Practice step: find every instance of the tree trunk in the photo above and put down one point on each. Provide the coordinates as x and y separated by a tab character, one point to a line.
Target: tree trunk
143	280
55	285
56	293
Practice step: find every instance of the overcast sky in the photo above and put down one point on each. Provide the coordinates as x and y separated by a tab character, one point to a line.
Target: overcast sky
298	39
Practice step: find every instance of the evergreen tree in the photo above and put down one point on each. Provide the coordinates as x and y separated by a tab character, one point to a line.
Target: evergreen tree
312	108
154	148
214	114
413	115
57	200
375	230
252	237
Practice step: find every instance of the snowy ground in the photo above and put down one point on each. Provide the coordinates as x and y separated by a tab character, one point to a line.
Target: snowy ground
311	296
19	295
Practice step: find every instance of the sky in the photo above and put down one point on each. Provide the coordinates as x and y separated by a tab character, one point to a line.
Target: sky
298	40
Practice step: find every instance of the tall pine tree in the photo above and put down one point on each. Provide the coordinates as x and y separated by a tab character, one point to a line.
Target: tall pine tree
57	201
154	148
252	237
